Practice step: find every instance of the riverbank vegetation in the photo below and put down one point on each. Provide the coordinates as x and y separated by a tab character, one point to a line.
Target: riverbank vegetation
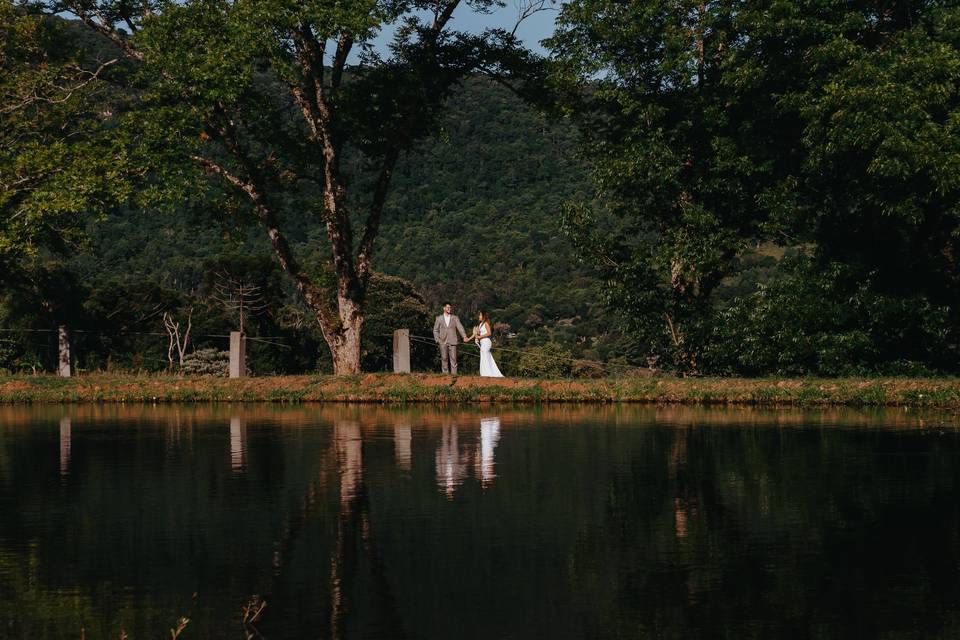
709	188
437	389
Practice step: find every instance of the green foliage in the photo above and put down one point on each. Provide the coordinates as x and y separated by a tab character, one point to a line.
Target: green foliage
393	303
829	320
59	164
248	102
473	216
674	169
715	138
550	360
489	149
821	125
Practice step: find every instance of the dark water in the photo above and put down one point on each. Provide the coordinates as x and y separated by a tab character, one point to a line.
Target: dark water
559	523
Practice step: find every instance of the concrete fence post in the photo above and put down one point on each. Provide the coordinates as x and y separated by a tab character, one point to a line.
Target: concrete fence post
64	367
401	351
238	355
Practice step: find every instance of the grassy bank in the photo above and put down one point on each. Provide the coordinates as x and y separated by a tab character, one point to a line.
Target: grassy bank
382	388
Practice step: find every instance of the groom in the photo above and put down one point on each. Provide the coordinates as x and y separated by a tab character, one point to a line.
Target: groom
445	331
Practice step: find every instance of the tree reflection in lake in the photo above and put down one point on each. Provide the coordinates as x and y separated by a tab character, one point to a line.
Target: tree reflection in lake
560	522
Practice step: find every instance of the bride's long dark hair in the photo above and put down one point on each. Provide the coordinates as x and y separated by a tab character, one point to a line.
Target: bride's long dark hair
483	317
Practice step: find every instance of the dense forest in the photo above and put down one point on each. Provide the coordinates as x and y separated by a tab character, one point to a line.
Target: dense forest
712	189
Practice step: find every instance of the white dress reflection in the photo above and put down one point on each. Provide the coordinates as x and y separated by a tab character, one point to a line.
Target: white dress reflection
489	436
451	466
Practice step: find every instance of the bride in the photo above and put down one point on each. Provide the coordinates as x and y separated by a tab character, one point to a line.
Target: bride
481	333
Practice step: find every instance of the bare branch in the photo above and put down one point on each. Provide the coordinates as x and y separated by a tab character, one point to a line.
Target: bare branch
529	8
176	340
239	296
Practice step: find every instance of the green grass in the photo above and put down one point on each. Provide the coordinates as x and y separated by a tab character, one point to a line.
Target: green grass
418	388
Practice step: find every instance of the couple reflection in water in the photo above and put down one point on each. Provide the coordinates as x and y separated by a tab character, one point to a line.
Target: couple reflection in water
459	452
454	461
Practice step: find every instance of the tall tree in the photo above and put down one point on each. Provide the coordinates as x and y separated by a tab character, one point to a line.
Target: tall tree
830	126
291	106
673	165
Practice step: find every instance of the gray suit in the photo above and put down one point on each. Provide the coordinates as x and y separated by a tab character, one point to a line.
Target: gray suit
446	338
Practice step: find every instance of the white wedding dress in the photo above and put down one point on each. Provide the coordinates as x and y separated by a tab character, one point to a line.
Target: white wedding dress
488	366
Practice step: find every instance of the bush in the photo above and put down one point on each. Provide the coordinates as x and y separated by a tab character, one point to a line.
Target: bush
206	362
550	360
828	319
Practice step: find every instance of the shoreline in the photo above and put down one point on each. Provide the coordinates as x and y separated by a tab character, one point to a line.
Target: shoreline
440	389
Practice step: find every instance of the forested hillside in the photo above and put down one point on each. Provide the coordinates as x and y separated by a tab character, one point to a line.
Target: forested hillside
475	214
473	218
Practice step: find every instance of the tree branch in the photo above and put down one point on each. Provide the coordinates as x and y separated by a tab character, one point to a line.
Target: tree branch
344	44
38	97
270	222
313	104
103	27
309	54
529	8
372	226
442	17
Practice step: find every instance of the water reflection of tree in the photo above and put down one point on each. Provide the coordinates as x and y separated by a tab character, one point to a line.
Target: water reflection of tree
742	532
787	521
354	537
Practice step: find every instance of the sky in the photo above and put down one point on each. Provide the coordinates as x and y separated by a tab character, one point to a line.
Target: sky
531	32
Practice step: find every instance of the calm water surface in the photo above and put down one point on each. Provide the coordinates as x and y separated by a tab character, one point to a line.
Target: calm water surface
491	523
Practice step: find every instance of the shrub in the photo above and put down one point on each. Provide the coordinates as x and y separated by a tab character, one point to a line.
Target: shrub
828	319
550	360
206	362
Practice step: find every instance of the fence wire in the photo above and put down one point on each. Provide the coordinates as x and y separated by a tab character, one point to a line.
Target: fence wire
273	341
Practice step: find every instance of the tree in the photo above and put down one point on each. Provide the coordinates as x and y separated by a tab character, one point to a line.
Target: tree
829	320
49	181
262	95
880	185
830	126
394	303
240	297
675	169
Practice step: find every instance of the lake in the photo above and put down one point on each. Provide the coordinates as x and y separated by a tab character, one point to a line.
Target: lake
487	522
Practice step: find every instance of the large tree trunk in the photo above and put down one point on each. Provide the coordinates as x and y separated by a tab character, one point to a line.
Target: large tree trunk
343	336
